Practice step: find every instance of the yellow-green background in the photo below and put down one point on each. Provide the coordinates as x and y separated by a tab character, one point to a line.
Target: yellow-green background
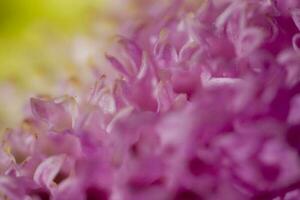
32	33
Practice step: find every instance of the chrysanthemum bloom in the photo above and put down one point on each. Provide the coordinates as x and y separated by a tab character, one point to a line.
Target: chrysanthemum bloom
206	106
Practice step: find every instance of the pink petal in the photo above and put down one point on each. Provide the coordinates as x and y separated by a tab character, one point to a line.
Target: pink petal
48	169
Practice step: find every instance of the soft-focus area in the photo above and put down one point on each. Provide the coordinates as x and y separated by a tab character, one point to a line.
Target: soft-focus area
31	30
44	44
177	100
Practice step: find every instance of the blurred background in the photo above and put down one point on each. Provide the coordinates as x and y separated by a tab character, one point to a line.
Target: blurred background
46	45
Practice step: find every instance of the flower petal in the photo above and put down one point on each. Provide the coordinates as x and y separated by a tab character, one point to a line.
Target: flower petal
48	169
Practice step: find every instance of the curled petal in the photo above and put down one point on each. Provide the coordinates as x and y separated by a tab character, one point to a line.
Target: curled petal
296	42
296	17
118	66
47	170
133	50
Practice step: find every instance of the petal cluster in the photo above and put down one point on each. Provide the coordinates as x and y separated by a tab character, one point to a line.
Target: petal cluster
206	105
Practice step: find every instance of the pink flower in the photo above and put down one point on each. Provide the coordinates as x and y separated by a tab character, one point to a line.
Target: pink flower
205	106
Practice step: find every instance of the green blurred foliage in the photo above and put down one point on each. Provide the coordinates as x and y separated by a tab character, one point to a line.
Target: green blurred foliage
33	33
16	16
